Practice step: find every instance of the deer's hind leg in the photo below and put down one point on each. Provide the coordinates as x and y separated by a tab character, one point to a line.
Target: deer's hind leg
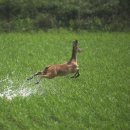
38	73
44	76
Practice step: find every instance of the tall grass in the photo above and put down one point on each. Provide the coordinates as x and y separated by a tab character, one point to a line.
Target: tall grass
98	99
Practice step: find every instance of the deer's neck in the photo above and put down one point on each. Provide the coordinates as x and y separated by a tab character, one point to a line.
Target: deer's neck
74	56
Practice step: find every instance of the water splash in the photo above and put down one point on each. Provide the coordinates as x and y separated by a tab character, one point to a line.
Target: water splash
14	89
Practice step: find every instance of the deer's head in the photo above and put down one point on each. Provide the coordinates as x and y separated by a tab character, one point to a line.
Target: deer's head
75	46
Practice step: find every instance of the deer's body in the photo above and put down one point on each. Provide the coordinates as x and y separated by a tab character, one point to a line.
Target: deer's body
59	70
62	69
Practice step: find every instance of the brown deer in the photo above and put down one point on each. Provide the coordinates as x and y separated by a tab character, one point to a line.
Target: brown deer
71	66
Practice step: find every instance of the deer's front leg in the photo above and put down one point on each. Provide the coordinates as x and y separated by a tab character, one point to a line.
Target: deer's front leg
77	74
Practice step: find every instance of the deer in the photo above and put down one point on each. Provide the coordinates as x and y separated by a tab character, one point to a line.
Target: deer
70	67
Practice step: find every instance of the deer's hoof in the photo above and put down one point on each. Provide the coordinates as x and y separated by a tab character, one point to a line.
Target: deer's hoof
37	83
29	78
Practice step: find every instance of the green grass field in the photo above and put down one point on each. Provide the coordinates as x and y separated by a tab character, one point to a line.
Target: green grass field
97	100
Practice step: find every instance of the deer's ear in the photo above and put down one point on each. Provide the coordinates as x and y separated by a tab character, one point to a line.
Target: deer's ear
76	41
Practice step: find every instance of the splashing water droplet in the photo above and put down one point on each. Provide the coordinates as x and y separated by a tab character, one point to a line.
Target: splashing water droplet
18	89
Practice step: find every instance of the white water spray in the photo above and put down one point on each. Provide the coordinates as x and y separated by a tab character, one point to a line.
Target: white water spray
14	89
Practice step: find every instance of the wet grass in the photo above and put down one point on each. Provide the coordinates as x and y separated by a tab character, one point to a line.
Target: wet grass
98	99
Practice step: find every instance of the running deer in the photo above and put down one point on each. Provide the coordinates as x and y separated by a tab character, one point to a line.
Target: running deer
71	66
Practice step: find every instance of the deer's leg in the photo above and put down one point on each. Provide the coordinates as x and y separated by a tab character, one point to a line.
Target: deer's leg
73	76
38	80
76	74
38	73
43	76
